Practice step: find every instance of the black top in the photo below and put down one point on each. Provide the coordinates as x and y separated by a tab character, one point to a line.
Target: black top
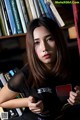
48	93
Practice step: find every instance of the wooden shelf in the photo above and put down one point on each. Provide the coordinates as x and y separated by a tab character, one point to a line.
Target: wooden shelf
12	36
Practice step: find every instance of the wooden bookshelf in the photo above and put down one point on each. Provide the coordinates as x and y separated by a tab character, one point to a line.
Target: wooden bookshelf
13	36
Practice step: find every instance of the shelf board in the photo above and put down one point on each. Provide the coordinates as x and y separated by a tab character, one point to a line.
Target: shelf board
12	36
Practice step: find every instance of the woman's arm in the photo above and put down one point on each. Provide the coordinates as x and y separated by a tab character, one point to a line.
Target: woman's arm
7	98
7	94
15	103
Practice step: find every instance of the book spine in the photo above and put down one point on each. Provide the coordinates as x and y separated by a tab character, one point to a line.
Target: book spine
2	78
45	8
6	17
28	10
56	14
41	8
26	17
21	15
34	14
0	32
49	10
37	8
16	16
11	17
2	23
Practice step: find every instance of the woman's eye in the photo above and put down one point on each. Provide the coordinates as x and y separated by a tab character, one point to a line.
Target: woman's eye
49	39
36	43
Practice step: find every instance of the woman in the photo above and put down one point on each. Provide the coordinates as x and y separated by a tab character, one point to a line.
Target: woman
48	68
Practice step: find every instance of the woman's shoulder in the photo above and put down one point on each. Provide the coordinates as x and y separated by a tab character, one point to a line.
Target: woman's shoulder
25	70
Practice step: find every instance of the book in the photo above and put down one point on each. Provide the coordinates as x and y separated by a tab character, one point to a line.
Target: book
2	79
4	17
7	23
41	8
28	10
63	91
25	14
2	23
45	8
32	7
0	32
49	10
18	2
11	17
16	16
37	8
56	13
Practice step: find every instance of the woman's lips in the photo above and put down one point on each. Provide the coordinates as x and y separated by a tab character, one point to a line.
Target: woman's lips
47	56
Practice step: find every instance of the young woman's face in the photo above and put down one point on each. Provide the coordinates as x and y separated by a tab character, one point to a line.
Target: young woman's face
45	46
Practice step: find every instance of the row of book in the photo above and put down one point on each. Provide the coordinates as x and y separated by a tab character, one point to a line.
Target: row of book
15	15
4	78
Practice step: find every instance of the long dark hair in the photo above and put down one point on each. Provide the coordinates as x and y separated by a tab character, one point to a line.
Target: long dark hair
36	68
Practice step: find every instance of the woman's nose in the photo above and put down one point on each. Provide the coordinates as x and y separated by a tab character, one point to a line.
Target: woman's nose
44	46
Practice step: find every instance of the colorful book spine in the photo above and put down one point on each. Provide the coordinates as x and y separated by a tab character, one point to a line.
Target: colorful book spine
50	11
16	16
21	16
45	8
11	17
41	8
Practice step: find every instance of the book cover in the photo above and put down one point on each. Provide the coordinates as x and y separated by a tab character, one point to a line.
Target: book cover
16	16
11	17
62	91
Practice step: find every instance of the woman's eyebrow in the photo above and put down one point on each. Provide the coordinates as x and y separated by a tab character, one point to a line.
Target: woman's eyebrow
48	35
36	39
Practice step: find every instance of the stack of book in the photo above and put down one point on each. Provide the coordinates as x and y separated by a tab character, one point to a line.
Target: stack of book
16	14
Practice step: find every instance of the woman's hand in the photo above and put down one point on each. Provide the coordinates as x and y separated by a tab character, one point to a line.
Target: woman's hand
74	97
36	107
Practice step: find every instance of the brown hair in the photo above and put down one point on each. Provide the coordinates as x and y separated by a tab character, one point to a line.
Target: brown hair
37	69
